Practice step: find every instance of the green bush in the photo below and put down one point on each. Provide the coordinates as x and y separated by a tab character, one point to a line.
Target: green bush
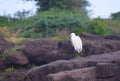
4	22
97	26
48	23
112	26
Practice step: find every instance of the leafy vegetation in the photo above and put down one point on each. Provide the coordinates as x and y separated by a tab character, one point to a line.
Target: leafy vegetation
44	5
97	26
10	69
4	22
115	16
48	23
112	26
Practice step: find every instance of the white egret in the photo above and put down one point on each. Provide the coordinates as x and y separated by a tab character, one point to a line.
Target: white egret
76	42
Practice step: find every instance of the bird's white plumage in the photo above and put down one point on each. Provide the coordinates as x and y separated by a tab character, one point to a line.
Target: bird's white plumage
76	42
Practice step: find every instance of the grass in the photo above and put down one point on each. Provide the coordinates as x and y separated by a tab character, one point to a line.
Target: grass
61	37
10	69
4	32
10	36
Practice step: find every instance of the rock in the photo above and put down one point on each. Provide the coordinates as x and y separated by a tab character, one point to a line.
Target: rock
91	48
2	64
109	61
15	75
16	60
84	74
90	36
5	45
54	67
106	70
112	37
94	37
44	51
96	44
116	78
40	52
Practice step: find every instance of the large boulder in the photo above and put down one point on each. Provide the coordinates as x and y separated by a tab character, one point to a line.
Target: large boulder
109	62
5	45
16	60
97	44
44	51
84	74
2	64
40	52
41	73
15	75
106	70
90	36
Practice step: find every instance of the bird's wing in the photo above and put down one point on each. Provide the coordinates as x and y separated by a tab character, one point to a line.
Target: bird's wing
79	41
72	40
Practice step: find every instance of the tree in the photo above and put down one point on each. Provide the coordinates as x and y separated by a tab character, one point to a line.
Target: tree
21	14
4	21
62	4
115	15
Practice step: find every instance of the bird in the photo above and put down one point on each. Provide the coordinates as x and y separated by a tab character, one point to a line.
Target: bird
76	42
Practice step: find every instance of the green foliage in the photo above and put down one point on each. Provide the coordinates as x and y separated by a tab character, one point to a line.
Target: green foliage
44	5
10	69
115	16
97	26
112	26
60	37
21	15
48	23
4	22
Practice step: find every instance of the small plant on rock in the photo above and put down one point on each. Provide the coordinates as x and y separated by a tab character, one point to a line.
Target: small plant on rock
9	69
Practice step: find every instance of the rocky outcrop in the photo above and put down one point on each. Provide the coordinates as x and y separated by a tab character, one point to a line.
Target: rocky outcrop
90	36
15	75
84	74
44	51
104	67
2	64
57	59
106	70
5	45
16	60
40	52
97	44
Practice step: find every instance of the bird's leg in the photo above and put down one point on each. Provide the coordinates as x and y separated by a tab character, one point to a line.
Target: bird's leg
79	54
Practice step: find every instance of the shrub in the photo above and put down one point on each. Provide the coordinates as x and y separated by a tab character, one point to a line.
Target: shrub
112	26
97	26
48	23
4	22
